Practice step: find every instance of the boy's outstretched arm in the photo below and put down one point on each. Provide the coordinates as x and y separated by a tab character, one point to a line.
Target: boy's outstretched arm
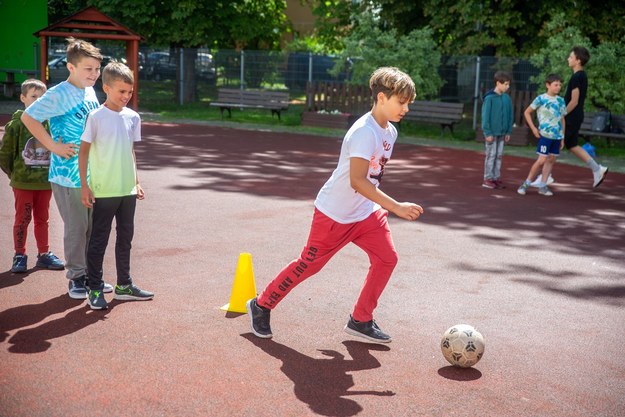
87	198
358	171
64	150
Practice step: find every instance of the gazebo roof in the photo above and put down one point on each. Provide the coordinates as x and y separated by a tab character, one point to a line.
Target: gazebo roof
89	23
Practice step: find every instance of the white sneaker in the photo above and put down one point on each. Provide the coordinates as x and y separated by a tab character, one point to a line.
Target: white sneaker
536	183
599	176
545	191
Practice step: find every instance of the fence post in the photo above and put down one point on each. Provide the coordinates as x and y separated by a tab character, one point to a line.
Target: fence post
181	93
242	80
476	94
310	70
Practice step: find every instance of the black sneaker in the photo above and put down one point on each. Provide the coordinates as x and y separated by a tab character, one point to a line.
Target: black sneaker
96	300
77	289
366	329
50	261
19	263
131	293
260	319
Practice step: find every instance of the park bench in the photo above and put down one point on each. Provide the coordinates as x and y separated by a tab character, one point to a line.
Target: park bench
617	120
227	98
445	114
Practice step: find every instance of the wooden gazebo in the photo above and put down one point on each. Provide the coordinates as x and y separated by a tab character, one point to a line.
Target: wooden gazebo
90	23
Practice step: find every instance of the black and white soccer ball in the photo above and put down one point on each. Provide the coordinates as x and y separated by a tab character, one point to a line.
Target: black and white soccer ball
462	345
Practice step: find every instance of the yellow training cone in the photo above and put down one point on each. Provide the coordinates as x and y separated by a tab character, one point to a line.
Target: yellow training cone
243	287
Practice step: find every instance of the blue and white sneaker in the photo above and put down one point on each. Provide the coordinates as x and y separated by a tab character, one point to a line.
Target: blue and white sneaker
19	263
77	288
50	261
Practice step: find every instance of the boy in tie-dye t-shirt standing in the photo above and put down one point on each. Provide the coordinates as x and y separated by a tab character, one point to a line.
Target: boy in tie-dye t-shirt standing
66	106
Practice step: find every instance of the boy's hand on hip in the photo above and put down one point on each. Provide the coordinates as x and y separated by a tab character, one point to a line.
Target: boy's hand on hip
65	150
408	211
488	139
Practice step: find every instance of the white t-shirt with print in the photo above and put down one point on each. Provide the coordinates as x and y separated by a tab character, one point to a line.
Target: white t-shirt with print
368	140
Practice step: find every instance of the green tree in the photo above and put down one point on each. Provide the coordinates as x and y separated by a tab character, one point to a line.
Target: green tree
416	53
606	84
500	27
332	25
189	24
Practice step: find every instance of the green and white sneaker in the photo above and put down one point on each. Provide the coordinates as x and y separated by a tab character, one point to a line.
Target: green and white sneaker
523	188
96	300
131	293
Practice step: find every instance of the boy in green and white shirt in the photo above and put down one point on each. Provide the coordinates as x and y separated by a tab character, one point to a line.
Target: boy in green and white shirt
112	188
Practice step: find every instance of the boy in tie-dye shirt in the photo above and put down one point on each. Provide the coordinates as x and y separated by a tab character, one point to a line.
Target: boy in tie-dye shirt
551	110
66	106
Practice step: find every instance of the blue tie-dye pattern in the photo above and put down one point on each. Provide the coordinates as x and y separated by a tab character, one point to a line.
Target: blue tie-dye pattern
67	107
550	111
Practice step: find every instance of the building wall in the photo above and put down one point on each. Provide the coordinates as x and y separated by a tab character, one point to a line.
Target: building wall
19	19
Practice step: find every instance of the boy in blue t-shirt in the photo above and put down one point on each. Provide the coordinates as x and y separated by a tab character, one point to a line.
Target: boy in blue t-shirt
551	110
66	106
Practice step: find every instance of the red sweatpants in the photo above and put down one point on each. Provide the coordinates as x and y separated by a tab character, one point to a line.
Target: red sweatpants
31	204
326	238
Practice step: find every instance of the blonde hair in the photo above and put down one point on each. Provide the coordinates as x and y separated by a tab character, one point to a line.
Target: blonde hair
391	81
32	83
78	49
117	71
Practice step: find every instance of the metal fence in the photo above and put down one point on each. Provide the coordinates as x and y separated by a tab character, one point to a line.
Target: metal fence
461	75
465	78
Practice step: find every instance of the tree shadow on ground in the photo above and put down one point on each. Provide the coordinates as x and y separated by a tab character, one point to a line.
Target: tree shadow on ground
561	282
324	383
446	182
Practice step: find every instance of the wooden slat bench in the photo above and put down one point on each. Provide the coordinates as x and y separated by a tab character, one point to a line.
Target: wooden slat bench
617	120
445	114
227	98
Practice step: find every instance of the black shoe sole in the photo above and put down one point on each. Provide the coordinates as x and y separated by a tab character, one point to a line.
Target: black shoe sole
356	333
52	268
605	174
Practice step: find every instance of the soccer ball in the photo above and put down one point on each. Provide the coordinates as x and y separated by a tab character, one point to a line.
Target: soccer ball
462	345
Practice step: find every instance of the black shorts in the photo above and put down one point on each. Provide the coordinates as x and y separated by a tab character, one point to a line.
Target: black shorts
571	135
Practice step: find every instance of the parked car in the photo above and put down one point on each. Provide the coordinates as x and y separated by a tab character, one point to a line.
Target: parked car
161	66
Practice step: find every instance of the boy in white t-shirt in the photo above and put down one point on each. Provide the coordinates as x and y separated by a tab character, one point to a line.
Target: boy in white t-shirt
112	188
351	208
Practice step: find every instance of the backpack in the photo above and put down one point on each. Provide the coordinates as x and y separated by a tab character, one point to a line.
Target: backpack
601	122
